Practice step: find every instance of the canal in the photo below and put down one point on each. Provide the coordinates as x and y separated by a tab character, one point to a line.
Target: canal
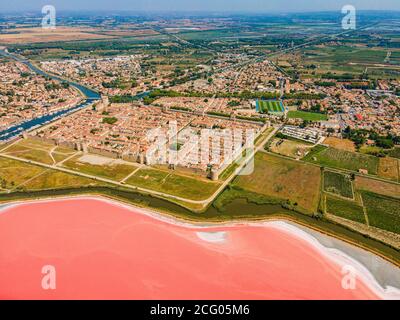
17	129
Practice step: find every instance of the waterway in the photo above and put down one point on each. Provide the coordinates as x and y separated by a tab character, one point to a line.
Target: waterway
15	130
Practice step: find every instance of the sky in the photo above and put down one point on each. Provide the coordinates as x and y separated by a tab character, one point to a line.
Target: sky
199	5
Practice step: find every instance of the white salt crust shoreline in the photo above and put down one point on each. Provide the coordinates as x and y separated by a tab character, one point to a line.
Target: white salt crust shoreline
334	255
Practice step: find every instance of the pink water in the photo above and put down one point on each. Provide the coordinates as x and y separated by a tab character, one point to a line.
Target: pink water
101	250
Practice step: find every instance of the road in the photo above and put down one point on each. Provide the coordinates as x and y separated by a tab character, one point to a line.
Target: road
259	147
97	178
204	203
286	50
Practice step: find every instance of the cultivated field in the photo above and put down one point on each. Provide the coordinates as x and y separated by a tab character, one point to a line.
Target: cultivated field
284	179
337	183
340	59
129	33
336	158
342	144
383	212
37	35
395	153
376	186
389	168
346	209
372	150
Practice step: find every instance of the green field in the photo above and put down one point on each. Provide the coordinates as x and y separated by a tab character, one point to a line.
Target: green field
173	184
289	180
115	171
395	153
27	153
345	209
35	150
314	151
350	59
336	158
52	179
270	106
309	116
338	184
370	150
14	173
383	212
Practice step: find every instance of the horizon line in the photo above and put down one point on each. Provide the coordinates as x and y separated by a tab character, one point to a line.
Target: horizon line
254	12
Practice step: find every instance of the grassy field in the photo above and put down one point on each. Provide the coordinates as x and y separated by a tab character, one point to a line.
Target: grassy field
395	153
14	173
22	176
235	165
336	158
234	193
284	179
38	151
343	54
370	150
52	179
21	151
173	184
337	183
389	168
153	179
313	152
228	171
383	212
310	116
58	157
345	209
114	171
270	106
290	148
